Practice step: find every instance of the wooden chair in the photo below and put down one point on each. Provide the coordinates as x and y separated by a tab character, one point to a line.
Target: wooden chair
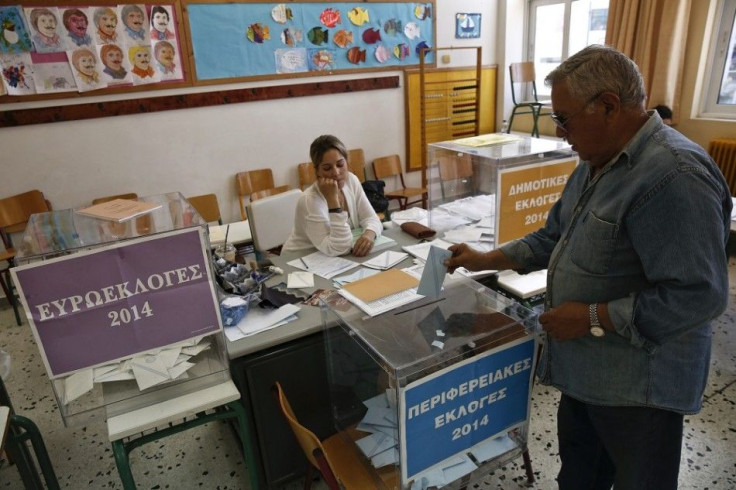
390	166
456	176
307	174
522	75
337	458
14	214
268	192
207	207
249	182
356	163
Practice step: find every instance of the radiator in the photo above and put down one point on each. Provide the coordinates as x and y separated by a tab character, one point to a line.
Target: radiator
723	151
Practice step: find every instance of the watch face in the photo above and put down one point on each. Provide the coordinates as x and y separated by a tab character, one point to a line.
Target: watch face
597	331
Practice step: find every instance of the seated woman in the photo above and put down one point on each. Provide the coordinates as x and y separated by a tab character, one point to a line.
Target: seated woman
333	205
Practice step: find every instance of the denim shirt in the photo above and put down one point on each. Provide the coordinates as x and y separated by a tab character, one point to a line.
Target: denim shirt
647	236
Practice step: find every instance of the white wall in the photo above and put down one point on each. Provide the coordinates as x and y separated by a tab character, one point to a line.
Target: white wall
198	151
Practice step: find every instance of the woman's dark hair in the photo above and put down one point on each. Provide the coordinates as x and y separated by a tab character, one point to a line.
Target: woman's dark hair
323	144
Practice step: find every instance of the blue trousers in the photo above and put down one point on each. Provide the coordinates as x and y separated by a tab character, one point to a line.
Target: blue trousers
631	448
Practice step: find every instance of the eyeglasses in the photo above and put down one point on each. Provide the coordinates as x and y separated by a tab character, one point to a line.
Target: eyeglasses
561	121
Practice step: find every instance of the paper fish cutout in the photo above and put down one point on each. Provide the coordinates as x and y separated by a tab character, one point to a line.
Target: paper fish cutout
356	55
343	38
392	27
322	59
422	11
422	45
371	35
291	37
401	51
281	13
382	53
330	17
358	16
257	33
318	36
412	30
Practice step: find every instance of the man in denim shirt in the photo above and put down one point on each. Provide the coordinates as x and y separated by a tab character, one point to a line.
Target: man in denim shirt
637	269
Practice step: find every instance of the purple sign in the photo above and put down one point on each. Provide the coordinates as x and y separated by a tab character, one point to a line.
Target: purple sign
92	308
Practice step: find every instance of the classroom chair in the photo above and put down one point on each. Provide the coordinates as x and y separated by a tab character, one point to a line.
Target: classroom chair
249	182
14	214
336	458
306	174
523	78
456	176
269	192
356	163
207	207
271	220
390	166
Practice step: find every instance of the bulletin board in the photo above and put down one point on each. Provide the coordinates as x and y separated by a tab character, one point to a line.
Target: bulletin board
210	41
246	40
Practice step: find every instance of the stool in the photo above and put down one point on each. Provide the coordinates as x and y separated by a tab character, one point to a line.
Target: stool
223	401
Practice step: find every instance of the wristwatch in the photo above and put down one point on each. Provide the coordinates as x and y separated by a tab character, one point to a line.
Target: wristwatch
596	329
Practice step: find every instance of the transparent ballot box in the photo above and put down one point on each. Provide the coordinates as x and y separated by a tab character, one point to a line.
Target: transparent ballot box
491	189
434	393
124	313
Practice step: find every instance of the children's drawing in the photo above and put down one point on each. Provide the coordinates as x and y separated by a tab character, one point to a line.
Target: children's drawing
134	22
160	23
402	50
318	36
392	27
45	22
412	30
106	25
116	67
321	59
371	35
467	26
167	60
140	57
16	70
85	69
358	16
422	11
291	60
292	37
257	33
356	55
343	38
330	17
14	38
76	23
422	45
281	13
54	77
382	53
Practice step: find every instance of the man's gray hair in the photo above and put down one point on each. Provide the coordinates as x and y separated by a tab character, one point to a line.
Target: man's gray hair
597	69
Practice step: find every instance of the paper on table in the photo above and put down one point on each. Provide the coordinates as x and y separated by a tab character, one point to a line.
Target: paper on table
361	273
323	265
300	279
258	319
381	285
386	260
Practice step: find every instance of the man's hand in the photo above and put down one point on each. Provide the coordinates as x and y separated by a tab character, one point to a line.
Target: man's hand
568	321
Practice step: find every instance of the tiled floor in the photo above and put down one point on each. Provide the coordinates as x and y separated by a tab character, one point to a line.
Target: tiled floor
208	457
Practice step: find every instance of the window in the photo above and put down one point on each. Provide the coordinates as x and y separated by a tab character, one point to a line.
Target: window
553	38
719	97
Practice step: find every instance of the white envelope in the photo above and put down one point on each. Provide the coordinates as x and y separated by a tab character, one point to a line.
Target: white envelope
300	279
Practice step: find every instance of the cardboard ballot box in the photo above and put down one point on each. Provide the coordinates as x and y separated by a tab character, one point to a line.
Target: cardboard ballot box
124	313
491	189
434	392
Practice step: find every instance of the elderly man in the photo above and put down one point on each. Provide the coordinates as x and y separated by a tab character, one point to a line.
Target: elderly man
635	250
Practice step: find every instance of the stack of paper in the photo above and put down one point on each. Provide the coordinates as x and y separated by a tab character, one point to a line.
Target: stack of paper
382	292
386	260
323	265
259	319
381	447
119	209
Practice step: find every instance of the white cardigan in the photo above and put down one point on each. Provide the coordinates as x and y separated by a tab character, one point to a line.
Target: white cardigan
329	232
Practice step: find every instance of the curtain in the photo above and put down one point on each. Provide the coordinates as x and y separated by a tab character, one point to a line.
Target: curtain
653	33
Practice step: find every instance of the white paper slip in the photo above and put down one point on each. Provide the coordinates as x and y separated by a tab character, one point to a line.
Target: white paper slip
386	260
361	273
421	250
323	265
258	319
77	385
464	234
300	279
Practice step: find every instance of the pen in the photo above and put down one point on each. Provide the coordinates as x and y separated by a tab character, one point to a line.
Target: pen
303	262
